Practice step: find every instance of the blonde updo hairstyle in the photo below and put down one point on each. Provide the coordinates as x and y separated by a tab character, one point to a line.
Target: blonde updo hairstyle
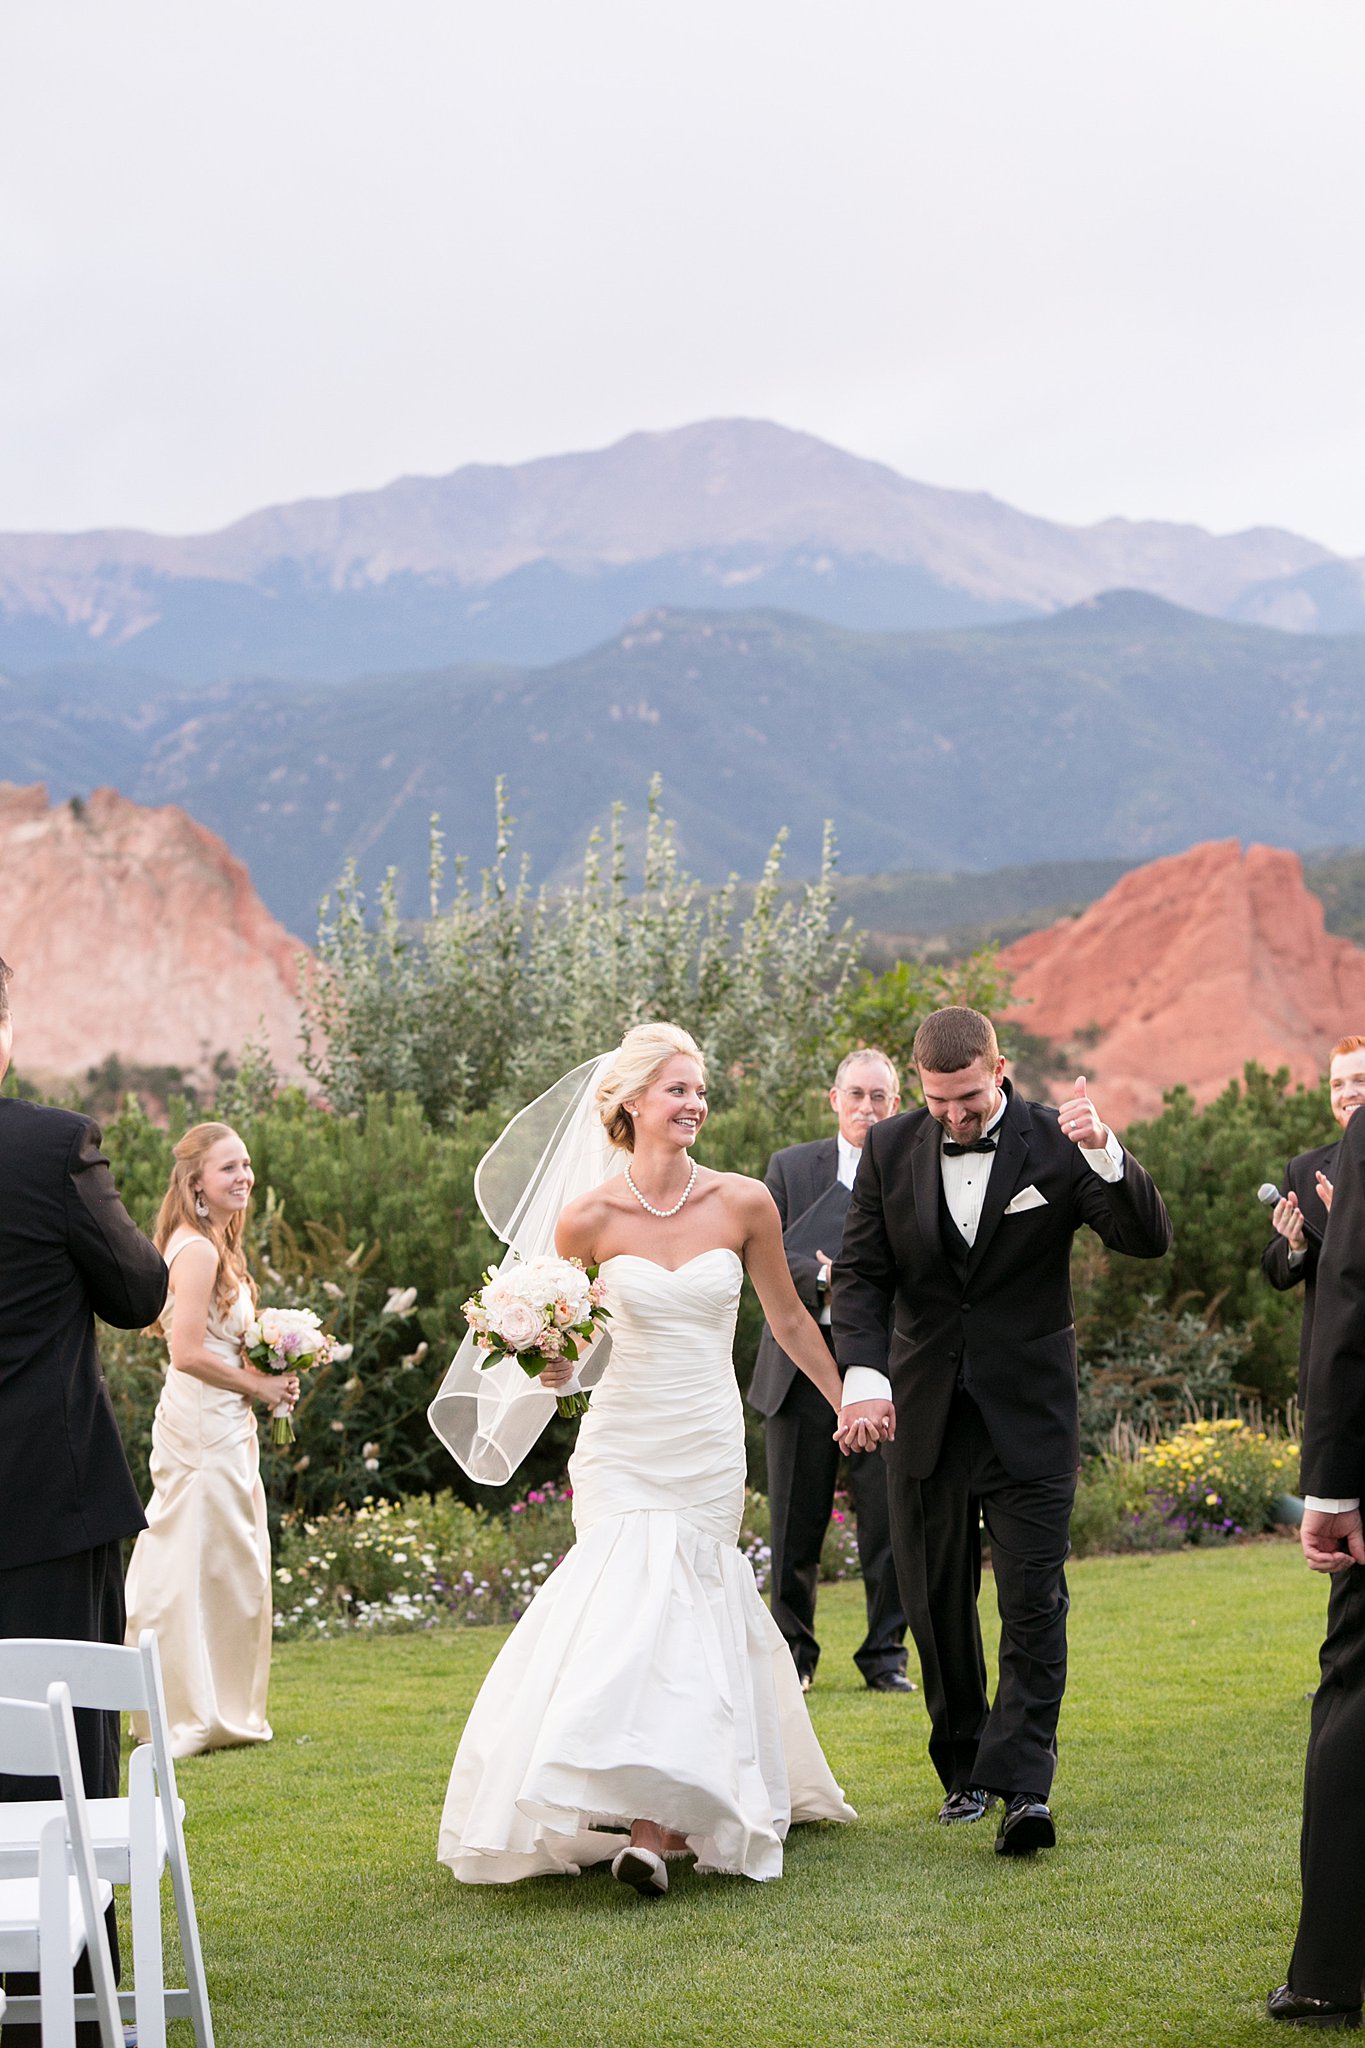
180	1212
640	1058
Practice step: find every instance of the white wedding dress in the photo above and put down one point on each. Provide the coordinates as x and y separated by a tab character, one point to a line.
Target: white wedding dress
647	1680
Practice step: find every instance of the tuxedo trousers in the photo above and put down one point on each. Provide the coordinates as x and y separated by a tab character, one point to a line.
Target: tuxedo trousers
81	1598
1329	1949
803	1471
1008	1745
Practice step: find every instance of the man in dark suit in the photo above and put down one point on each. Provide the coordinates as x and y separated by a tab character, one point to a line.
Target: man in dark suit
68	1252
810	1184
1328	1963
1329	1952
960	1228
1300	1215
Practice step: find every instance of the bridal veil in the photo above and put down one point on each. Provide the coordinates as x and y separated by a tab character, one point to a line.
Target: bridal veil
552	1151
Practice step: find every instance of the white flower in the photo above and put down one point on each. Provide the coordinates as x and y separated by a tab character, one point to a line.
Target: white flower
516	1322
341	1352
401	1301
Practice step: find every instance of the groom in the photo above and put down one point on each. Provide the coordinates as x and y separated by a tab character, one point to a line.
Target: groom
959	1232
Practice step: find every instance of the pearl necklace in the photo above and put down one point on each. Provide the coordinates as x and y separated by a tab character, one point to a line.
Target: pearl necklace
691	1179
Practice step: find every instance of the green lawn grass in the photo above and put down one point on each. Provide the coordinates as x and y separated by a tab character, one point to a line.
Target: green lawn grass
1166	1912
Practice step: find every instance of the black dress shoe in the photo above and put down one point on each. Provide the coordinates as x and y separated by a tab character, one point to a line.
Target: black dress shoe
969	1804
1297	2009
891	1681
1025	1825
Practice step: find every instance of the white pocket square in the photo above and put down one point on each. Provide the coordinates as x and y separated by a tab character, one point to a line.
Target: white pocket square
1027	1198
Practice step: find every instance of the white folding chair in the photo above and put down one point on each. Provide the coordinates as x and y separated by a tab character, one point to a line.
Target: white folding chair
52	1913
135	1839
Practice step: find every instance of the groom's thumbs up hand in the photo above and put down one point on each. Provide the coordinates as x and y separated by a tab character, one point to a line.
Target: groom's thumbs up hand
1080	1119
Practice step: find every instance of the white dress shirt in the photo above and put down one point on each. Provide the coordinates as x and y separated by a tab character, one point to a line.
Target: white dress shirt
965	1175
849	1155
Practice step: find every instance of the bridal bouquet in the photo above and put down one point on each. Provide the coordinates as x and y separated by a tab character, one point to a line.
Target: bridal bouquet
282	1340
539	1311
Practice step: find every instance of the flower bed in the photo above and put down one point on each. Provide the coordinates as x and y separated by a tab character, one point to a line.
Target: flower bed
1207	1482
423	1563
420	1563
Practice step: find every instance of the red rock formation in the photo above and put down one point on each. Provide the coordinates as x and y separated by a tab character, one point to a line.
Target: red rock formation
1187	969
135	932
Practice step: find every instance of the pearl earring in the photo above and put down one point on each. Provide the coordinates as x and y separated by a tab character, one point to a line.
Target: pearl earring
201	1207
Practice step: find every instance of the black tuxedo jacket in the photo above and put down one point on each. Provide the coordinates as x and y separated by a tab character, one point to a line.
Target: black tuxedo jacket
796	1177
1334	1399
68	1252
1002	1324
1299	1178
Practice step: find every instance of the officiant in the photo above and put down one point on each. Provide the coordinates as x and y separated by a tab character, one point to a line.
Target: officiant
810	1184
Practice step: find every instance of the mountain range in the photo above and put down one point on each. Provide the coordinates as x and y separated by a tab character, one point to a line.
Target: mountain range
1121	728
538	562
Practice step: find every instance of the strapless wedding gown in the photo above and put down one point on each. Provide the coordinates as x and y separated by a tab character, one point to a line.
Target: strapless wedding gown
647	1680
200	1572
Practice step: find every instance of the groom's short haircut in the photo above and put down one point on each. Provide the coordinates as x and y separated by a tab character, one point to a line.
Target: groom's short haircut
949	1040
867	1052
1351	1044
5	973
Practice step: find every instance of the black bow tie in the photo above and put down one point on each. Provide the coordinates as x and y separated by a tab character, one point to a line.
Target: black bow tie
954	1151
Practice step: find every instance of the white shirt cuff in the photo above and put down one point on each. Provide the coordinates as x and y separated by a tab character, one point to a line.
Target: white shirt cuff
1106	1160
1296	1258
1318	1504
865	1383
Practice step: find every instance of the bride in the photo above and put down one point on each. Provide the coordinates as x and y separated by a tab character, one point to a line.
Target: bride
646	1705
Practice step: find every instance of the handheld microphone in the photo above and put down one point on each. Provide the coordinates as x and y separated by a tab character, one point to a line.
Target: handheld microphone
1268	1193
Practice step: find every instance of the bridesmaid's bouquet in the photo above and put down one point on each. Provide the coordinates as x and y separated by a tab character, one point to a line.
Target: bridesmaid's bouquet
539	1311
282	1340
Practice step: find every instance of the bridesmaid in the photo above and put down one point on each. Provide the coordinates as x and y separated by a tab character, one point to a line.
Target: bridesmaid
200	1574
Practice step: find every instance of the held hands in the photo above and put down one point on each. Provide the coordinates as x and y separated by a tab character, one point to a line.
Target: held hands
1332	1543
1287	1218
865	1424
1080	1120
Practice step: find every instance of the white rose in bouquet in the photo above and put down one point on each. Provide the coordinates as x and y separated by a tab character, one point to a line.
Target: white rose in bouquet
516	1322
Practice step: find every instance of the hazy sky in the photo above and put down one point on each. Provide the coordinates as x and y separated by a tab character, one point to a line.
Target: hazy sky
1095	256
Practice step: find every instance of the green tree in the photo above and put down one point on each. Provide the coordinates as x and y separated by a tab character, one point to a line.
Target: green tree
497	994
1208	1165
887	1009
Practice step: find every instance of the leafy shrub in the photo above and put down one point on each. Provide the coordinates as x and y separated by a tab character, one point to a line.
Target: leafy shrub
887	1009
1154	1371
498	994
1208	1165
